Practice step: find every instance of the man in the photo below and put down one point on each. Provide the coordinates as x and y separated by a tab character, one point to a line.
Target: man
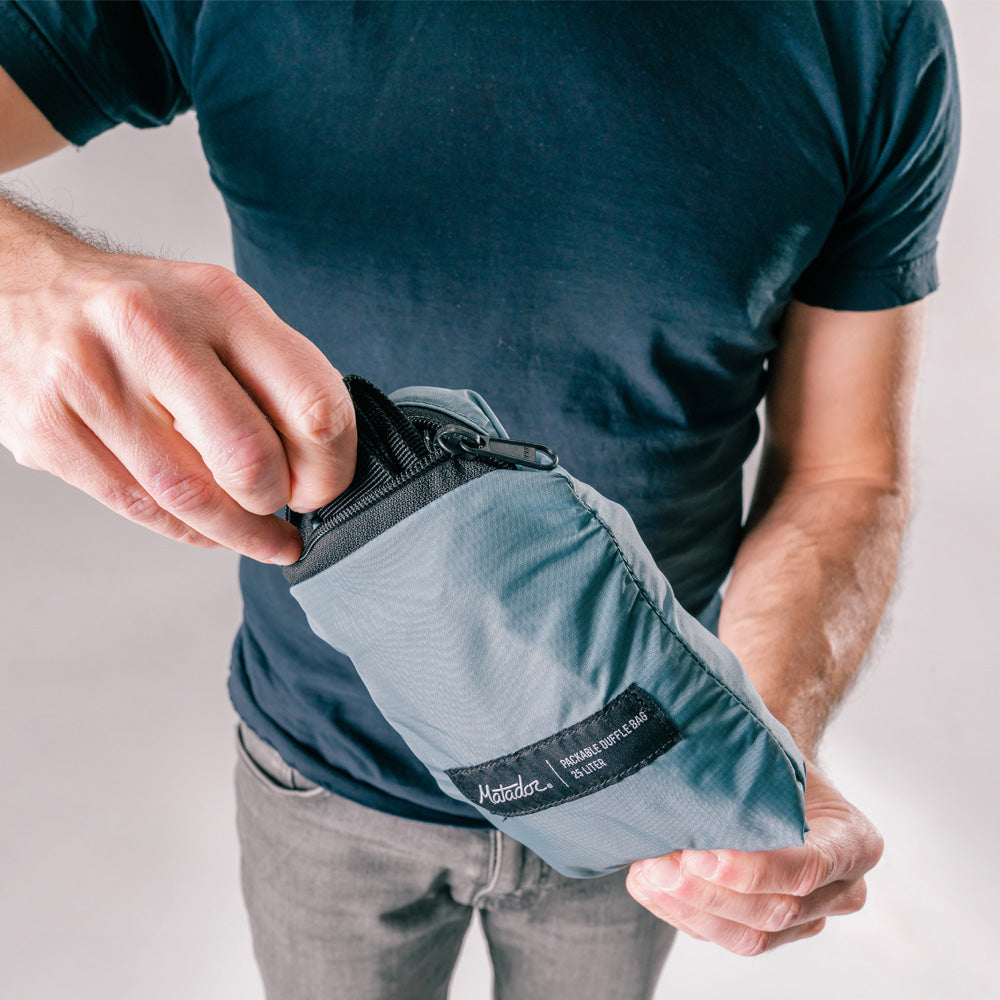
621	225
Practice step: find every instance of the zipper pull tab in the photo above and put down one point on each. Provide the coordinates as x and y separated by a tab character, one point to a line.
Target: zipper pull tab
457	440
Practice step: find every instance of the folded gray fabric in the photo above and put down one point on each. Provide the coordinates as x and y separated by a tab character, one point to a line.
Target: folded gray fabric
514	629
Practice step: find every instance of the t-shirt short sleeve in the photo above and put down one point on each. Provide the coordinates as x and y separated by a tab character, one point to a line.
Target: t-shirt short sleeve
881	250
90	65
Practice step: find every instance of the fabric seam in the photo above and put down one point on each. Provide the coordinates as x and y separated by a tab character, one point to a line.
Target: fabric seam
656	611
168	57
890	54
876	271
257	771
496	864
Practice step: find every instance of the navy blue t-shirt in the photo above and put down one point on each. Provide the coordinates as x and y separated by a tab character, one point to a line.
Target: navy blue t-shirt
594	215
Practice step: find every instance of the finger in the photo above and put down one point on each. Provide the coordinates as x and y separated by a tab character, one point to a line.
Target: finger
139	432
774	912
735	937
84	462
226	428
747	941
305	398
843	853
786	870
172	473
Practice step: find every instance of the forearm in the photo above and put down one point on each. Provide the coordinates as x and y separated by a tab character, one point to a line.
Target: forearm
809	587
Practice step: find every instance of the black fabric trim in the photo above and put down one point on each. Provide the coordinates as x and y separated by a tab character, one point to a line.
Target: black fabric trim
630	732
435	481
398	472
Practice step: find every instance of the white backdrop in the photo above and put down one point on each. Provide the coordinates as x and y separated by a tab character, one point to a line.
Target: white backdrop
118	859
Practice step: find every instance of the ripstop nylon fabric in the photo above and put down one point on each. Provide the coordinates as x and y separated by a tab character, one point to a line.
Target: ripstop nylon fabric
517	605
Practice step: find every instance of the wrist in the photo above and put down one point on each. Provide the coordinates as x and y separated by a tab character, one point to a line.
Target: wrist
37	245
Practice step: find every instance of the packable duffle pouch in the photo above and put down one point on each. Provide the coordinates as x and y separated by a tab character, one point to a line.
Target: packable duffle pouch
513	628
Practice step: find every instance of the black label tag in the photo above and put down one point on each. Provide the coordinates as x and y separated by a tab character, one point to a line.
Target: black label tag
630	732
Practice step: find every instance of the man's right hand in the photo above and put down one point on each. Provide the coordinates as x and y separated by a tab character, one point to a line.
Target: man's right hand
168	391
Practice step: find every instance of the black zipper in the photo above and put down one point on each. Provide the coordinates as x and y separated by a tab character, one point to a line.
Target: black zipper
463	441
456	452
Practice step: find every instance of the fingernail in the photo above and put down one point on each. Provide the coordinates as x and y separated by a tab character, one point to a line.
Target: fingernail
704	864
288	554
665	874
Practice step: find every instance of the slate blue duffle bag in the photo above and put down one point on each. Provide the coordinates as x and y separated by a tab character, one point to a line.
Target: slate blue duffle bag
513	628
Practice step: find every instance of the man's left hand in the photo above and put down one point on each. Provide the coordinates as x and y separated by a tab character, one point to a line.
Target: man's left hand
751	902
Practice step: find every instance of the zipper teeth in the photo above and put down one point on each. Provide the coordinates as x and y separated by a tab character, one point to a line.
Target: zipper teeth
413	470
366	501
331	507
380	492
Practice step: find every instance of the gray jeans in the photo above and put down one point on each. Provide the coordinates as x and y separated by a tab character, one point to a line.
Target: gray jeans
346	901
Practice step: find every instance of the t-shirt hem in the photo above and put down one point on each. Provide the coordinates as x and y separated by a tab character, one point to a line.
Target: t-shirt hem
35	67
869	289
